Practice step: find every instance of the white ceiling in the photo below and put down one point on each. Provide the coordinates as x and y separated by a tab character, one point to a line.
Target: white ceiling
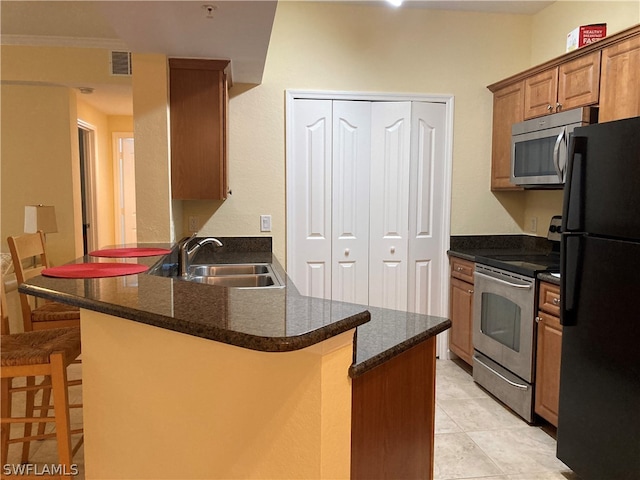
237	30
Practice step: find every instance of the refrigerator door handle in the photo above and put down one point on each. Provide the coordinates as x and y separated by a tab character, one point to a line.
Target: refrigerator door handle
571	268
572	214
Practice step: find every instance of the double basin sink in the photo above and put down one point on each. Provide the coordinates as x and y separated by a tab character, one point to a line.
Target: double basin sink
235	275
241	275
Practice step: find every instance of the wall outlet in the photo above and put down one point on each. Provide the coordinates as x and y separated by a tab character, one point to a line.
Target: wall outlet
533	225
194	223
265	223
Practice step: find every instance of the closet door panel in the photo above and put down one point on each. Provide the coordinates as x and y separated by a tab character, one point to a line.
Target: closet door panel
390	136
351	154
309	213
426	196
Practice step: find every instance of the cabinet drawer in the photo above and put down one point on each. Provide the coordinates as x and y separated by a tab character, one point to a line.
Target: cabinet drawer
462	269
549	299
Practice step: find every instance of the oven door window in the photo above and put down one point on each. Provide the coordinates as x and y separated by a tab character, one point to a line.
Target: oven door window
500	320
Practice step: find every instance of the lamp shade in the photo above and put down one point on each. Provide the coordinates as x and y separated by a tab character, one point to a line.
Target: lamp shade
40	217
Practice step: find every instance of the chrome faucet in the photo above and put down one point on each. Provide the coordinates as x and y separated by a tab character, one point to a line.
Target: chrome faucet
187	252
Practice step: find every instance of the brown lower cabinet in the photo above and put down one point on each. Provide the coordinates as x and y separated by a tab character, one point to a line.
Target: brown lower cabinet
461	309
392	417
548	354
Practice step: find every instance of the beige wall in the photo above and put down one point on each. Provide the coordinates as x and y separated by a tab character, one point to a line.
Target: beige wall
551	25
324	46
40	110
328	46
38	162
150	113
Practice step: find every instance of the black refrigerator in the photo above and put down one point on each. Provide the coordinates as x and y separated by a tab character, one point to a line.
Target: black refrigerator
599	414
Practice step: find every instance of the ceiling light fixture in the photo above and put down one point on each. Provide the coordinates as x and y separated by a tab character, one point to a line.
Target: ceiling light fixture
209	10
395	3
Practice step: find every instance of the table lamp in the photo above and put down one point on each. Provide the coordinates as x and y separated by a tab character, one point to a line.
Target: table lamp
40	217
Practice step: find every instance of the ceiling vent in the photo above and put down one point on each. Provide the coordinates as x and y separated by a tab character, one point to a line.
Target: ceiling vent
121	63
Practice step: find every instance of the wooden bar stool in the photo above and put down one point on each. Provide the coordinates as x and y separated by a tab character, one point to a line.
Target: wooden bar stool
50	314
45	353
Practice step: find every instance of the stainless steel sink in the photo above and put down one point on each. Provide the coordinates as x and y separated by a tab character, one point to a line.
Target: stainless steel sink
250	275
231	275
220	270
238	281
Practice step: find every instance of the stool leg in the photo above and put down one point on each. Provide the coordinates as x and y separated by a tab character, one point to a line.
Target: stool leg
5	411
61	409
28	412
46	402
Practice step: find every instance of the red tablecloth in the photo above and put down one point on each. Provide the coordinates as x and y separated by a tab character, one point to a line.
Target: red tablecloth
129	252
94	270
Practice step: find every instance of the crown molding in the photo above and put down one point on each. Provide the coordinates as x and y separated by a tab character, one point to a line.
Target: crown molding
53	41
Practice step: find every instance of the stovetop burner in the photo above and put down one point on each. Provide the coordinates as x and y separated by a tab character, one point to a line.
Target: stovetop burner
529	263
523	263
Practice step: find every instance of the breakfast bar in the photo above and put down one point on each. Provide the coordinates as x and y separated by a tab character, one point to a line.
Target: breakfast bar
191	380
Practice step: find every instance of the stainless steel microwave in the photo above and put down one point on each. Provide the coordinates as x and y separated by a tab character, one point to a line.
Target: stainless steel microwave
540	147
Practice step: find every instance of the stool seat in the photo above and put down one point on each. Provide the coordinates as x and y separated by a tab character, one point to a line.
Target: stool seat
35	348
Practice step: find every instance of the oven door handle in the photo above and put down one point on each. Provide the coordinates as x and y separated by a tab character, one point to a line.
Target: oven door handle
515	285
513	384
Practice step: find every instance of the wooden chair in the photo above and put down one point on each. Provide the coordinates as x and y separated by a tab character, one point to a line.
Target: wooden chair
45	353
50	314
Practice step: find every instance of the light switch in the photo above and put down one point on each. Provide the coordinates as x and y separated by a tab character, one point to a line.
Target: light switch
265	223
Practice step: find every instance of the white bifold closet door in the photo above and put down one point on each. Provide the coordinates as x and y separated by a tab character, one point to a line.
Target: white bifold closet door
361	196
328	204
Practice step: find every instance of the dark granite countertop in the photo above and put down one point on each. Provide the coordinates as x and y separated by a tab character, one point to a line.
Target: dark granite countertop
264	319
469	247
547	277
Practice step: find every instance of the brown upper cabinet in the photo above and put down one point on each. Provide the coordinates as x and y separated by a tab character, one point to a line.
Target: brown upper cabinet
605	73
620	84
570	85
508	107
198	102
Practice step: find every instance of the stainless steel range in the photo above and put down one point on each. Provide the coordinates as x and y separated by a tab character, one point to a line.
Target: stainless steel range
504	325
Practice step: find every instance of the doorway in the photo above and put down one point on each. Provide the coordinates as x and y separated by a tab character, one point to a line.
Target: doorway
86	142
388	195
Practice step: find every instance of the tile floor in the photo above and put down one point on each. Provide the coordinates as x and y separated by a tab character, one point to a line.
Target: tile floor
476	437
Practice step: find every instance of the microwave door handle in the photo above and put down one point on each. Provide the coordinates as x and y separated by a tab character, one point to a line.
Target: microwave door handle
556	154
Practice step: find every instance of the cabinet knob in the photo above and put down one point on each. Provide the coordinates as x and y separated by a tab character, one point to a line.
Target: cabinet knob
550	108
558	107
392	249
556	301
469	291
459	269
346	252
538	319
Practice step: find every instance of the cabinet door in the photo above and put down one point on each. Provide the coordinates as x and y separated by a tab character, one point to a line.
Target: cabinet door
549	348
508	108
461	311
541	93
549	299
620	81
197	102
579	82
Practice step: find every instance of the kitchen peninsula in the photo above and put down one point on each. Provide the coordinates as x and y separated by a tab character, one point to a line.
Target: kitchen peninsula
188	380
